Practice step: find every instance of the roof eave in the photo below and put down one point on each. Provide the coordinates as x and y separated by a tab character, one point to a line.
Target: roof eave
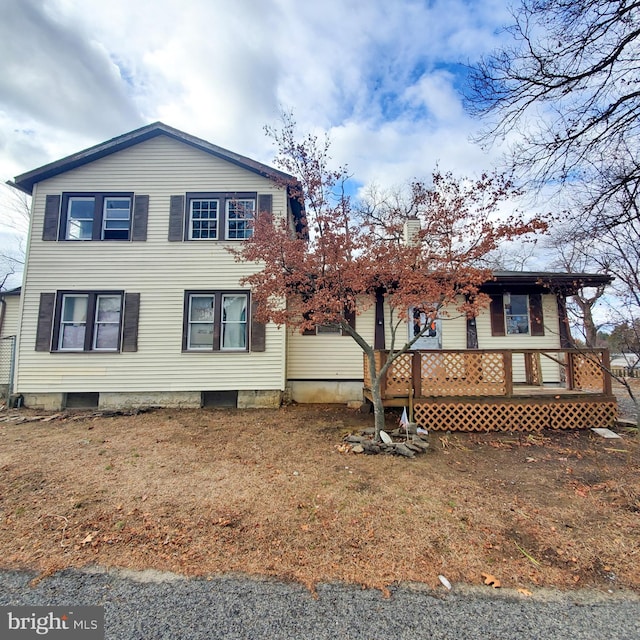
566	283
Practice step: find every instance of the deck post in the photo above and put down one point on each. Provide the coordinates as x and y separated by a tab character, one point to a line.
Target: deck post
606	375
508	373
570	370
416	374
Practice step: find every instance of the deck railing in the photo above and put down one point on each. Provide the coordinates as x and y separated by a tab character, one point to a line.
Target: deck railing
489	372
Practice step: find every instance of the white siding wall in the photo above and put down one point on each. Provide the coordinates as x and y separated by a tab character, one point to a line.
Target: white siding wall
157	269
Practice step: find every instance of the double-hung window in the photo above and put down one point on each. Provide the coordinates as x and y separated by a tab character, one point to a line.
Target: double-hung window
240	216
88	321
213	216
96	216
516	313
234	321
203	218
80	218
216	321
116	218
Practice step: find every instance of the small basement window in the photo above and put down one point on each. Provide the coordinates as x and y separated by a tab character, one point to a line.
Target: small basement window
219	399
81	400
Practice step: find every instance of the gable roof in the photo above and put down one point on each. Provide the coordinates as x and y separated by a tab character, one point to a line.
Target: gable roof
26	181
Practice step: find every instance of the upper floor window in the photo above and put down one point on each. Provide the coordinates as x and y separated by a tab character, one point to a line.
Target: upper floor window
116	218
80	217
96	216
240	216
212	216
203	219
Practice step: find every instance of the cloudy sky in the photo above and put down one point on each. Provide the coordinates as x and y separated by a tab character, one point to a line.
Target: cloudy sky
383	78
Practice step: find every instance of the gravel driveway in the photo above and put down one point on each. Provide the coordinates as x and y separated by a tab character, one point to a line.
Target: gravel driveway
151	606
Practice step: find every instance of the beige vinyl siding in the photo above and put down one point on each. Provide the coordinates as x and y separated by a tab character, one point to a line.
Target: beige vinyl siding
160	271
550	340
329	356
8	330
11	316
332	357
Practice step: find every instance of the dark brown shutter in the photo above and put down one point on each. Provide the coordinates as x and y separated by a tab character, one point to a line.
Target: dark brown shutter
497	315
265	203
45	321
258	332
176	219
130	322
51	218
535	311
140	217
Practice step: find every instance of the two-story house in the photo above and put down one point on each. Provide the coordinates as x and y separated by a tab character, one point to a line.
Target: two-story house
130	295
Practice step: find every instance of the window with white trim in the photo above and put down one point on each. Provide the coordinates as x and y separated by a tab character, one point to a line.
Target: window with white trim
516	313
240	216
96	216
203	219
216	321
80	218
88	321
234	322
116	218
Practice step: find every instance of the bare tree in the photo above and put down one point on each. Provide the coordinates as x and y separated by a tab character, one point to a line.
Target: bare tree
15	211
567	93
579	253
569	87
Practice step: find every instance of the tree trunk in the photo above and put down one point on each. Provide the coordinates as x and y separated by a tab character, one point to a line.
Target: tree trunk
588	324
378	407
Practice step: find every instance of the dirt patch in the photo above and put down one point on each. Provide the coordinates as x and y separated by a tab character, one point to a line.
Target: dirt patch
269	493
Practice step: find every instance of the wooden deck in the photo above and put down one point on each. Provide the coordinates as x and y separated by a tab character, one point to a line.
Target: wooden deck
500	390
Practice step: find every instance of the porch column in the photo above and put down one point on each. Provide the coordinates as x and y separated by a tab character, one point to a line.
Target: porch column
378	339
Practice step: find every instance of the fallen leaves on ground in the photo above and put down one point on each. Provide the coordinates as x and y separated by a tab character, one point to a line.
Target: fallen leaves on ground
268	493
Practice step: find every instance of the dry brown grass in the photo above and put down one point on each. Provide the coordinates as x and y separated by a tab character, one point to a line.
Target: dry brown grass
268	493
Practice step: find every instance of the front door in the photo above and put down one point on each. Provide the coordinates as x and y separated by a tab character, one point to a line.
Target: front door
432	337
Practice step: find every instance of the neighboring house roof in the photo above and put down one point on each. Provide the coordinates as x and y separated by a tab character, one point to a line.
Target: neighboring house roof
11	292
629	360
566	283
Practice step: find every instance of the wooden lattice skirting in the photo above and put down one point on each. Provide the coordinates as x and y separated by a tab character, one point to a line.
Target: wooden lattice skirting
513	415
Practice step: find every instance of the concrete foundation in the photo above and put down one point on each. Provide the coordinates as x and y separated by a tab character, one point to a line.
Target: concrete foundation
44	401
262	399
115	400
324	391
135	400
